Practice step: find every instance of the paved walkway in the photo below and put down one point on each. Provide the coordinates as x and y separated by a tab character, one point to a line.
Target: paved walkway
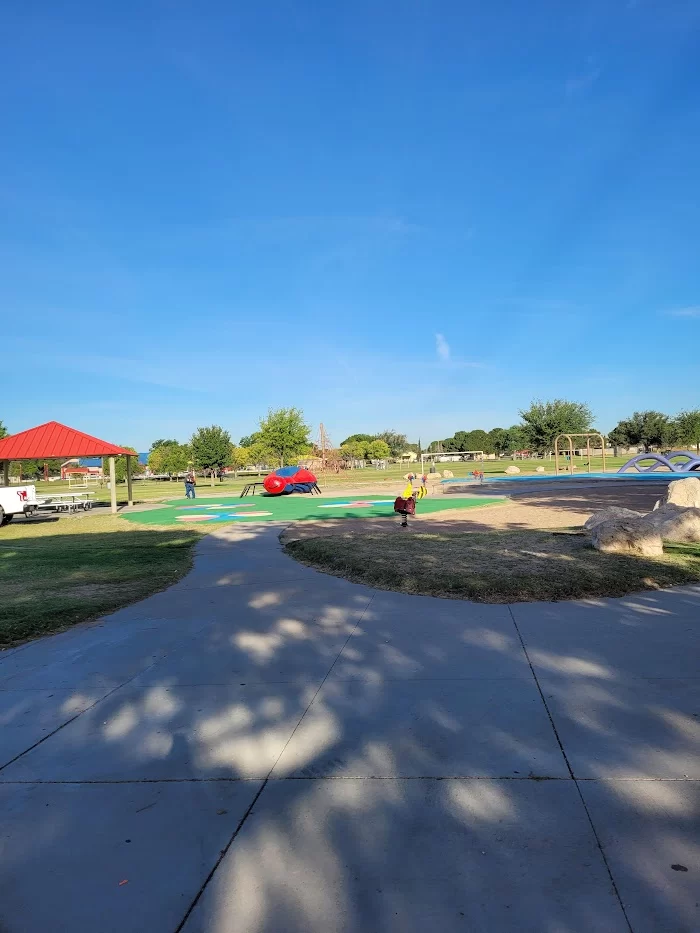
265	749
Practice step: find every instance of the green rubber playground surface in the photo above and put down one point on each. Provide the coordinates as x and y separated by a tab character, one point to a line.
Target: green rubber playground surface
294	508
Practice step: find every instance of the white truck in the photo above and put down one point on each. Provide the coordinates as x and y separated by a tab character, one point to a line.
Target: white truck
16	500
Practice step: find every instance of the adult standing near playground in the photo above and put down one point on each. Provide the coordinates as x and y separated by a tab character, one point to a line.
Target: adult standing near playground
190	483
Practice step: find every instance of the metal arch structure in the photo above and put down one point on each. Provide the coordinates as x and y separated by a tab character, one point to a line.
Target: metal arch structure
570	439
661	463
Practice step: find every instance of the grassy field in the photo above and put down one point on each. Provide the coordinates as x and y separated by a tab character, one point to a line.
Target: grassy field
494	567
155	491
55	573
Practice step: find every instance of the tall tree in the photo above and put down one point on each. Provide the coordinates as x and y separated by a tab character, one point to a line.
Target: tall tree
543	421
355	450
514	439
162	442
366	438
395	441
688	427
250	439
497	437
648	428
3	430
170	458
211	448
618	438
378	450
239	458
477	440
284	434
120	465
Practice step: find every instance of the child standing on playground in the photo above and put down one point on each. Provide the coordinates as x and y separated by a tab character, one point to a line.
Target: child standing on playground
190	483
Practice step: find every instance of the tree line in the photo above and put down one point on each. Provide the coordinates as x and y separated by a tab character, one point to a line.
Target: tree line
543	421
284	438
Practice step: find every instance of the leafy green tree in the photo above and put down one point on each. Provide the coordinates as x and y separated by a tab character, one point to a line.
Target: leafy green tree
543	421
239	457
477	440
514	439
648	428
396	442
284	434
355	450
366	438
169	456
211	448
258	455
3	430
688	427
618	438
497	440
27	469
250	439
120	465
378	450
177	458
163	442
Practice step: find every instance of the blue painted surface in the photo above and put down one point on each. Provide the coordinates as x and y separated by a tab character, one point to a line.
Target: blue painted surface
579	476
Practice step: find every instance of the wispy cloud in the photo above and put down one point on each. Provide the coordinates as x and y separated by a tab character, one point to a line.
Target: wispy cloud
690	311
442	347
584	80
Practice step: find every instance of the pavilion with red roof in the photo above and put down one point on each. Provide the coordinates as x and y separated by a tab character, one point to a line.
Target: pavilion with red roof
54	441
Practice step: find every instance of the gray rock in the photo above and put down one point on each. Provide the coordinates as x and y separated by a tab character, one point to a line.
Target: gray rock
606	514
627	536
679	526
684	493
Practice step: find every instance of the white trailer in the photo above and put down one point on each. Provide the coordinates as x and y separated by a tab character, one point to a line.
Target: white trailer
16	500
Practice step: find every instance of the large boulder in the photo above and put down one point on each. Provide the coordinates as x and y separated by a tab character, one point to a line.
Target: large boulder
539	470
630	536
678	526
606	514
683	492
448	474
512	470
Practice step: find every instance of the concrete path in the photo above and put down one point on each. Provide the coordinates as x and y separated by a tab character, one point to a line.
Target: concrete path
265	749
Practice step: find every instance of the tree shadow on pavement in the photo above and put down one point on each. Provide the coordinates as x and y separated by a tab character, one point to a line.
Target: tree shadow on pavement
352	760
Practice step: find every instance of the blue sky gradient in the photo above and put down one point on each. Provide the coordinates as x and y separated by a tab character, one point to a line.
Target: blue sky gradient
418	215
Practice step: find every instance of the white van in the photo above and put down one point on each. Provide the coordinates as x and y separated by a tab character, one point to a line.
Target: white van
16	500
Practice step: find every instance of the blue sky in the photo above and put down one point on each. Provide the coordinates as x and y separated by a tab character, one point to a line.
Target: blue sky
418	215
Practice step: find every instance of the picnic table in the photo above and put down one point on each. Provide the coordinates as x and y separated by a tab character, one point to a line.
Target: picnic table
65	501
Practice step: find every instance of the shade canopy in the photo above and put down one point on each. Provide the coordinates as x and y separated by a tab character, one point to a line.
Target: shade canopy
54	441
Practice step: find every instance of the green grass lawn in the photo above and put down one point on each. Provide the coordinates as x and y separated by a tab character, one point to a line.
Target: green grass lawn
55	573
494	567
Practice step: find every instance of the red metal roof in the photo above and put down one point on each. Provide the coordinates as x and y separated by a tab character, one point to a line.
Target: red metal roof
55	441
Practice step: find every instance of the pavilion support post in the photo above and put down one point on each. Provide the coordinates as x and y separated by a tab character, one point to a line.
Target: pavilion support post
129	488
113	485
6	472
